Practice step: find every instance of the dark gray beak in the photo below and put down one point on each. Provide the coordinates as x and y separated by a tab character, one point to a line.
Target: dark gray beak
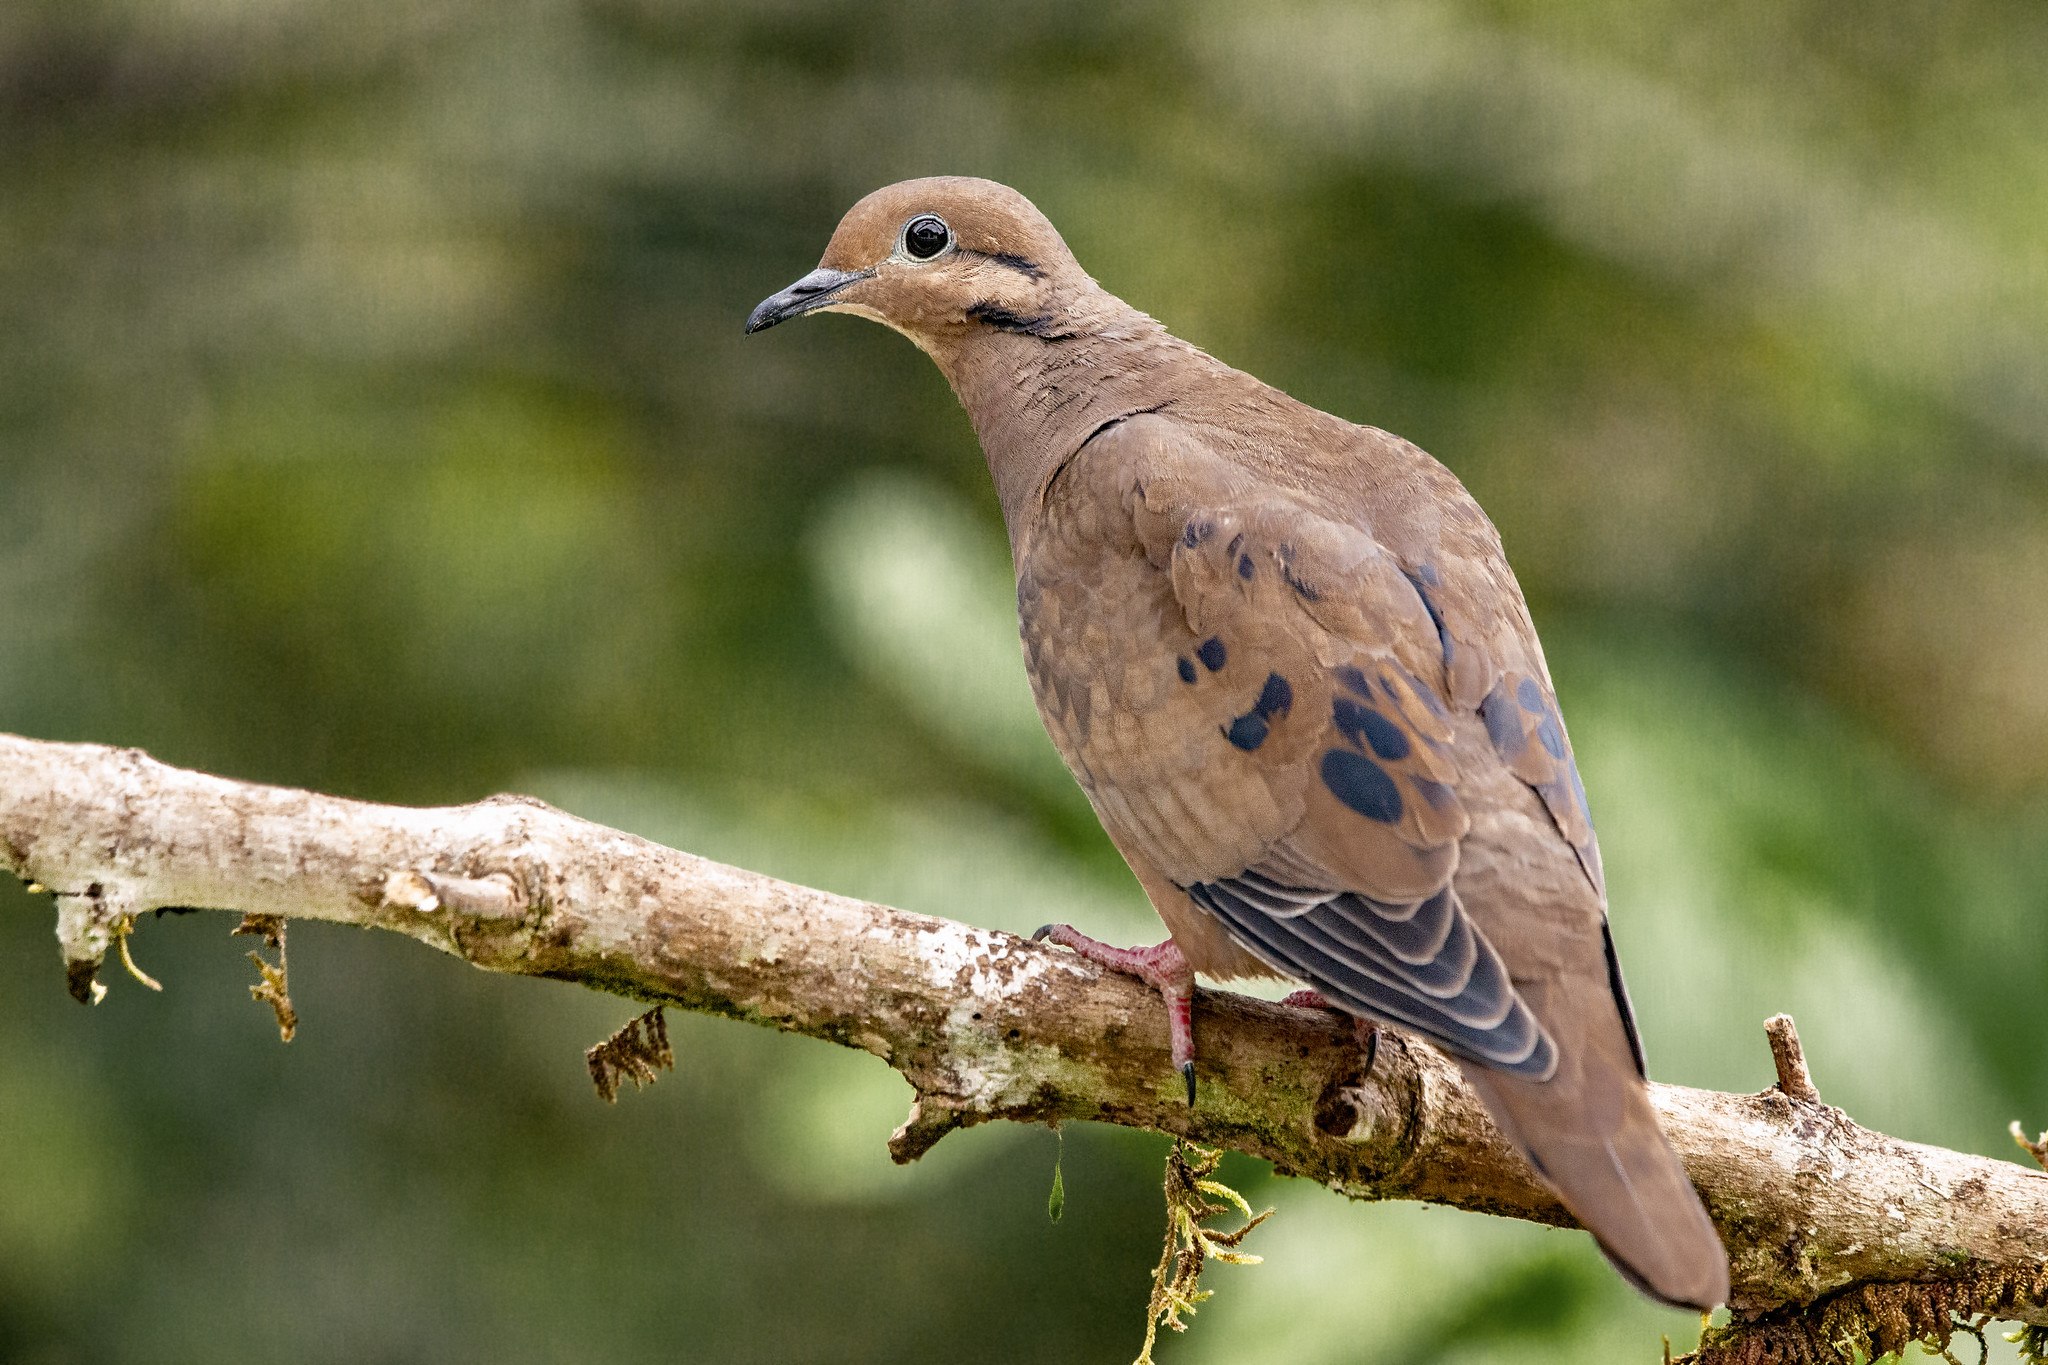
814	290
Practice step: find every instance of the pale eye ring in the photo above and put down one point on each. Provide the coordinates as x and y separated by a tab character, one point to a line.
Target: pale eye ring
925	236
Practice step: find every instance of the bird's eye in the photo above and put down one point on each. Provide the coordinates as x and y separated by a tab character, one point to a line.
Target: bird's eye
926	237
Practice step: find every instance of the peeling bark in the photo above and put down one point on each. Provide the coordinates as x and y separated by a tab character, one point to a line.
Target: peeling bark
1827	1224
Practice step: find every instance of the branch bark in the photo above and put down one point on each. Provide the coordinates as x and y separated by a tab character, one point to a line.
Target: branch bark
1837	1234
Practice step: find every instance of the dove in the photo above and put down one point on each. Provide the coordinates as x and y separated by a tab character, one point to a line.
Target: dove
1285	657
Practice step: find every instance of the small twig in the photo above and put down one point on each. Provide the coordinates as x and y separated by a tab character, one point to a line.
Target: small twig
125	926
1790	1058
2036	1148
638	1052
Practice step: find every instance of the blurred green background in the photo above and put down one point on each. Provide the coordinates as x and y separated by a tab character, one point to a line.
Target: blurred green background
374	416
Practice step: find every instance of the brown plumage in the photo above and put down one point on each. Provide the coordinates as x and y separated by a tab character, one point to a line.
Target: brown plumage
1286	659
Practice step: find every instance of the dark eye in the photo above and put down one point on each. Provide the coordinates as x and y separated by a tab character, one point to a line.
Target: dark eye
926	237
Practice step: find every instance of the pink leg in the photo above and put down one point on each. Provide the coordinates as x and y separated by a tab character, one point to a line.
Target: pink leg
1365	1030
1163	969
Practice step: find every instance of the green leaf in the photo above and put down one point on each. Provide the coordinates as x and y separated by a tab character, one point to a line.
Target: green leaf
1056	1202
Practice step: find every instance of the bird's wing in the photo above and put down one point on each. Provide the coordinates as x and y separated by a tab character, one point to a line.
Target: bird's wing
1321	729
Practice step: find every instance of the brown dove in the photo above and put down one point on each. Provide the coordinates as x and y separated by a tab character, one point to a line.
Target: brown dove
1286	659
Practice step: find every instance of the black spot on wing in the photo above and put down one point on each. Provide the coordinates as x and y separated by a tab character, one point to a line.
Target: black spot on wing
1186	669
1244	566
1362	784
1276	696
1212	654
1354	681
1530	695
1367	728
1550	734
1503	722
1249	730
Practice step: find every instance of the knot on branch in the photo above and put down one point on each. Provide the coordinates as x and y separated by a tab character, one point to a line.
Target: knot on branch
1351	1112
496	896
1366	1107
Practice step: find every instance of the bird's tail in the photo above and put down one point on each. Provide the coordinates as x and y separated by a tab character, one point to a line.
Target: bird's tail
1592	1135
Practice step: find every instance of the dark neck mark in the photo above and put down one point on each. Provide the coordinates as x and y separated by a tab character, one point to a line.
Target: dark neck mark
1059	471
1121	418
1040	325
1009	261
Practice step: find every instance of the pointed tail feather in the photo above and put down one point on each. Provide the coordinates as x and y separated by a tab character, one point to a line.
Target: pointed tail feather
1593	1136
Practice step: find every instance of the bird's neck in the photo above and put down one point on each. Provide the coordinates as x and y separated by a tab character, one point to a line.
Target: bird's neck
1036	397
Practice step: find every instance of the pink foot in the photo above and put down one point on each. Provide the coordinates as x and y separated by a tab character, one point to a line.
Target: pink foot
1163	969
1365	1030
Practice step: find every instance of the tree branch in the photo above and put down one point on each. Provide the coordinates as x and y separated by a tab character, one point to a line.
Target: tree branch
1836	1234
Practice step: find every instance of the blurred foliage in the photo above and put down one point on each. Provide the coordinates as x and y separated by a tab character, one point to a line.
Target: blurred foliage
374	416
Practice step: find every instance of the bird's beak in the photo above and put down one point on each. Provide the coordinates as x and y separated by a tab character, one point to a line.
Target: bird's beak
814	290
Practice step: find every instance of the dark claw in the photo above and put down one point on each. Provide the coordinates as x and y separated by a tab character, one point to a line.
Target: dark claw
1372	1048
1041	931
1187	1069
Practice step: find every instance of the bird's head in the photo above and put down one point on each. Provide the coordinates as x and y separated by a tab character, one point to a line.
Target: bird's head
938	260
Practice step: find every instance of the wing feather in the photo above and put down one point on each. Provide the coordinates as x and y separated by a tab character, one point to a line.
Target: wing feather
1299	773
1485	1020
